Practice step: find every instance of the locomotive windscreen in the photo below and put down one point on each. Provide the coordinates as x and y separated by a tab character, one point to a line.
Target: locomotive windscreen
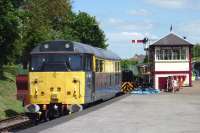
55	62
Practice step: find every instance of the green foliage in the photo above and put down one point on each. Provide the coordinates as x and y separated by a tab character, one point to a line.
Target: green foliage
9	106
9	23
126	64
25	23
86	29
196	51
145	59
43	20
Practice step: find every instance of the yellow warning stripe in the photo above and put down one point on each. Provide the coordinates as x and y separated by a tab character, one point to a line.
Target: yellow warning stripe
127	86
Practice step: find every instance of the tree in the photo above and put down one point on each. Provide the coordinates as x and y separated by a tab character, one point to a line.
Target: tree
126	64
9	23
86	29
43	20
196	50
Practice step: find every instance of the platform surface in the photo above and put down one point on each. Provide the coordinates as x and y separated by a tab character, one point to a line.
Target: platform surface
162	113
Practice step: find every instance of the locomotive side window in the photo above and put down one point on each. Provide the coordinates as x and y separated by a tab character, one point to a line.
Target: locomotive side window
75	62
87	63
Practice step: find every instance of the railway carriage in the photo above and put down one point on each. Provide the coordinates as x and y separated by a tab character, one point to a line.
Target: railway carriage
66	75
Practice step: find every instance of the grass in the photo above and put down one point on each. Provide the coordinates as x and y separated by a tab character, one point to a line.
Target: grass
9	105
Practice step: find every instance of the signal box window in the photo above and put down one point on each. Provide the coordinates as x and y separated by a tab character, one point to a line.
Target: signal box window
177	53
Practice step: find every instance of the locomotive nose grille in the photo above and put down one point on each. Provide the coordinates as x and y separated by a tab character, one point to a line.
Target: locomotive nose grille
54	98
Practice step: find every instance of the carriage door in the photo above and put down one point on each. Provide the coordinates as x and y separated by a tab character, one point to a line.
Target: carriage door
88	66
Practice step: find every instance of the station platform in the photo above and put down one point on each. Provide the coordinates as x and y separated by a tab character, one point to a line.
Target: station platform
160	113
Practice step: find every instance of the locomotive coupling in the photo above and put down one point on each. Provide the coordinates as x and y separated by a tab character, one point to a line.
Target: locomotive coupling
44	107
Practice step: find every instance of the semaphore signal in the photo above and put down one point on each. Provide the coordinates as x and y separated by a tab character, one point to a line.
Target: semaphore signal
144	41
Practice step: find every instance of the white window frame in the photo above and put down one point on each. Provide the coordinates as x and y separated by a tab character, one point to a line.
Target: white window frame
159	49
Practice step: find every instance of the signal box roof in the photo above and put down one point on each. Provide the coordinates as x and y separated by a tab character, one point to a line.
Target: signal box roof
62	46
172	40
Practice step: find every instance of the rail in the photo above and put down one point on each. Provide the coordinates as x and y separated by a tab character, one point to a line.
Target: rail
13	122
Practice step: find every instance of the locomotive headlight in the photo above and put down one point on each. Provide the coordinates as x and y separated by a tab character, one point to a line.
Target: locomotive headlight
46	46
89	76
67	45
55	107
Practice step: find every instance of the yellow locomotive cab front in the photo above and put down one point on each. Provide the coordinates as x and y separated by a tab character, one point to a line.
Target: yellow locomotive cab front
57	87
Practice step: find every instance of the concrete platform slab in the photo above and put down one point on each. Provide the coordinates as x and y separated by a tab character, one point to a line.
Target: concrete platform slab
164	113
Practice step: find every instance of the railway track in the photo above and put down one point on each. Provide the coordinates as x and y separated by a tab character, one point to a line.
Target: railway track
72	116
21	122
13	123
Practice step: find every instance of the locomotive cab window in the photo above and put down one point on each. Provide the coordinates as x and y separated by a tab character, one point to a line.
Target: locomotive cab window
56	62
87	61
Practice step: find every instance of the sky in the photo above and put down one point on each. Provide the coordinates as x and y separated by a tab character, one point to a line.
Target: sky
126	20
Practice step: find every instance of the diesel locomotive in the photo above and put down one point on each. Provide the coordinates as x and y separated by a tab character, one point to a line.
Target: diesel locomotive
64	76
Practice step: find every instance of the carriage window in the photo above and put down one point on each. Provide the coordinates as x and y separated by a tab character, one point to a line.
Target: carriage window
116	66
101	65
97	65
119	67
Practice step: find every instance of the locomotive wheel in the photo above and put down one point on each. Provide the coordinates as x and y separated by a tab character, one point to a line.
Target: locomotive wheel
35	118
59	111
64	111
50	114
45	115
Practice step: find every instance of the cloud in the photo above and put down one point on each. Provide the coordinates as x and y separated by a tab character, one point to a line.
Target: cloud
124	37
127	37
170	3
140	12
121	43
115	21
190	30
177	4
124	25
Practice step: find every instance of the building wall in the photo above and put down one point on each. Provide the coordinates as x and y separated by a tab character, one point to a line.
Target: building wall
172	66
186	82
165	68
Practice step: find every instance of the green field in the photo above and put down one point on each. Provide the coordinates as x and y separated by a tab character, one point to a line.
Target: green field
9	106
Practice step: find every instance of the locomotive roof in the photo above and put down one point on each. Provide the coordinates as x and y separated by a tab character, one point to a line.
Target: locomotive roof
59	46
